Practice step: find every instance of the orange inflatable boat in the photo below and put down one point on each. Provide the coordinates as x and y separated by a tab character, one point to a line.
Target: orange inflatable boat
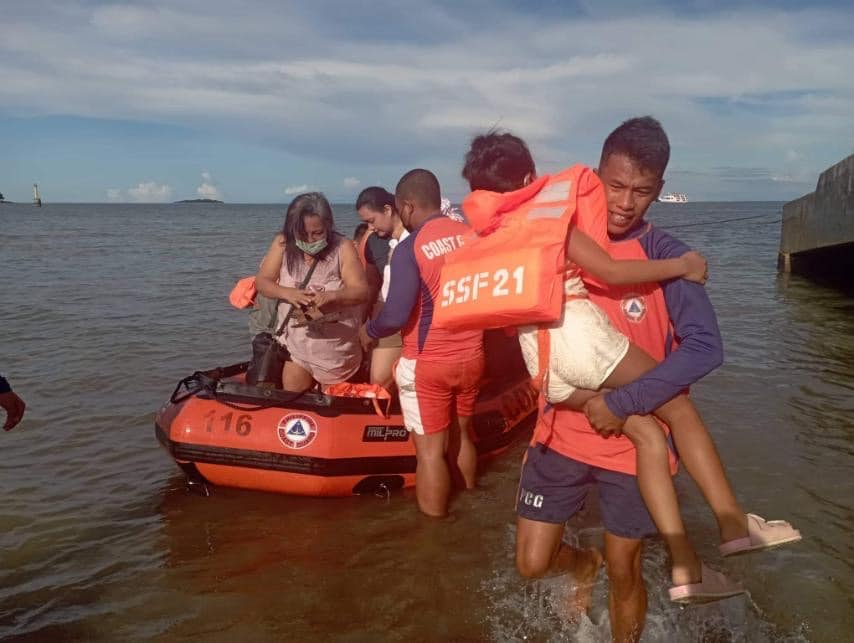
221	431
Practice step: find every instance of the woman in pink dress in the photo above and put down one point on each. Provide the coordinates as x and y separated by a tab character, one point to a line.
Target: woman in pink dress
326	352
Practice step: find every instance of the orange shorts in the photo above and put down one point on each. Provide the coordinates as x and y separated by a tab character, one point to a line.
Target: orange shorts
431	393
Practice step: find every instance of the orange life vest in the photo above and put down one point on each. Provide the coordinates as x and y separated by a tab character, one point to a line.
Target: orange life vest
378	395
244	292
509	271
361	249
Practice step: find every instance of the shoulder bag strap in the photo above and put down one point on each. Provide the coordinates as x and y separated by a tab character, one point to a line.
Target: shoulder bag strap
301	286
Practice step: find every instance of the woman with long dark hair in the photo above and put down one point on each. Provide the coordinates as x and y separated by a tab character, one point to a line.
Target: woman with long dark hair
326	352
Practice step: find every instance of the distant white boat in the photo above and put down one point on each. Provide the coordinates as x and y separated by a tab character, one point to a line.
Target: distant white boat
37	200
673	197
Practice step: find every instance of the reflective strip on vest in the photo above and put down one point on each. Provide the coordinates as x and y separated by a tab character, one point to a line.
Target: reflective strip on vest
558	191
547	213
512	275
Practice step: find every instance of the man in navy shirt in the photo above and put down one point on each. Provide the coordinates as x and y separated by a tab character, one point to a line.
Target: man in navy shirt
569	455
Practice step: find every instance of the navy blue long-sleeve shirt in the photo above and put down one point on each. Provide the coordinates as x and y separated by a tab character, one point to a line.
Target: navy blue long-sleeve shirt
695	326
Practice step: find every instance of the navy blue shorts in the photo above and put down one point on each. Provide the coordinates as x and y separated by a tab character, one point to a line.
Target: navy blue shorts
553	489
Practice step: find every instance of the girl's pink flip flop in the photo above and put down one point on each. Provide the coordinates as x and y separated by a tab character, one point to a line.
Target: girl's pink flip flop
714	587
762	534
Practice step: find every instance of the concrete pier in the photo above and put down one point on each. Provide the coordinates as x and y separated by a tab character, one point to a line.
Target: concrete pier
818	228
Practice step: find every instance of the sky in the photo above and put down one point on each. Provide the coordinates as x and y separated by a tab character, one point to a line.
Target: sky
259	100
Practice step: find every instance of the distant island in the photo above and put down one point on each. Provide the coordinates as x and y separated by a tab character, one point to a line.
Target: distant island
199	201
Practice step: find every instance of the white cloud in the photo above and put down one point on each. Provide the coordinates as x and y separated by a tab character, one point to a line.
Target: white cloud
419	100
150	192
114	194
351	183
124	21
208	189
297	189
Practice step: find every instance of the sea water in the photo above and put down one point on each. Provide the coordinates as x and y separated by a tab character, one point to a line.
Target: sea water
105	307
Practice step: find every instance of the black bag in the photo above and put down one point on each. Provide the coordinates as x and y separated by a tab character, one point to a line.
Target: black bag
268	360
268	355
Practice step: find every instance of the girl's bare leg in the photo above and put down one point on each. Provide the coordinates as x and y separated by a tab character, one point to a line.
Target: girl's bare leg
700	457
656	487
653	470
382	361
696	449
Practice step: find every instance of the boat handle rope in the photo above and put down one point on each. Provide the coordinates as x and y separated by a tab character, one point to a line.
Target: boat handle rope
194	379
254	406
209	382
205	381
282	397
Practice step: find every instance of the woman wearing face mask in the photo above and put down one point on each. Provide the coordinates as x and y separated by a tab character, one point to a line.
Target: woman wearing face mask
327	352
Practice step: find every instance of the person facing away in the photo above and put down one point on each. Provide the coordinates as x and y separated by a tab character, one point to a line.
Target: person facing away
329	352
439	371
11	403
692	580
375	206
